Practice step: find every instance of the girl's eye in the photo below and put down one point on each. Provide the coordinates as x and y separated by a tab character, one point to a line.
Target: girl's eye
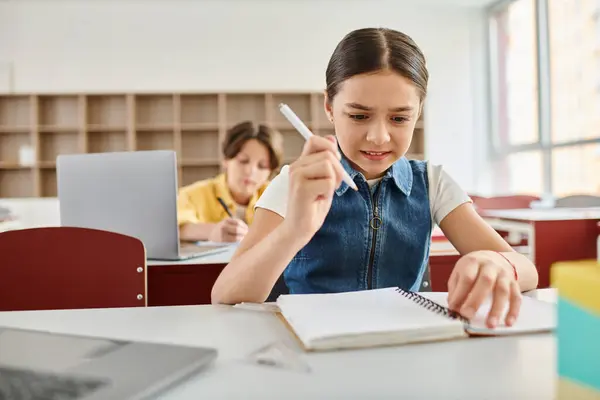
358	116
244	161
399	120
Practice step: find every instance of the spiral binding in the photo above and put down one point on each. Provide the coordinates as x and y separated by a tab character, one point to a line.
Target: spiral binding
431	305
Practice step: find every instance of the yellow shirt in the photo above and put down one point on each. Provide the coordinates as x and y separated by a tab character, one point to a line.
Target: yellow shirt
197	203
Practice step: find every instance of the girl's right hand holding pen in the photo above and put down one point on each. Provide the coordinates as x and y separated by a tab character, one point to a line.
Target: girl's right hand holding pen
313	179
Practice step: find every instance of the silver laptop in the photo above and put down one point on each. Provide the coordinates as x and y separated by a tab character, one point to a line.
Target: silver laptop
133	193
39	365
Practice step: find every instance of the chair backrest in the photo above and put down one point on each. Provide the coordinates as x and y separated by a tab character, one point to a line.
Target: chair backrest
70	268
426	282
598	243
503	202
578	201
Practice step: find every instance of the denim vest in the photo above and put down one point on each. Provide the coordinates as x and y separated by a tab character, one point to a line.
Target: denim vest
371	238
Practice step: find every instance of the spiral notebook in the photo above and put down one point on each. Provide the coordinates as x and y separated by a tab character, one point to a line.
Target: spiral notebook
393	316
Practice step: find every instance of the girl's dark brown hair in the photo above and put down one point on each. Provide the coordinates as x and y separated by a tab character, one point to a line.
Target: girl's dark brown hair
238	135
370	50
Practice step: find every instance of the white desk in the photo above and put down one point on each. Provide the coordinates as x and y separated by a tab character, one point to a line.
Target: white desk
545	214
486	368
31	212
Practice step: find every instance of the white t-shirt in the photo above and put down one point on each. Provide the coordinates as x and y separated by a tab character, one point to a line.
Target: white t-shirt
444	193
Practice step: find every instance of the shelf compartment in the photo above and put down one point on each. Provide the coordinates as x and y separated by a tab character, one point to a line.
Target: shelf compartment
417	145
52	144
10	143
154	128
193	174
155	140
106	141
200	145
47	164
108	112
58	112
56	129
293	143
326	131
15	113
244	107
16	183
199	126
299	103
320	119
198	162
153	110
14	165
199	110
48	179
105	128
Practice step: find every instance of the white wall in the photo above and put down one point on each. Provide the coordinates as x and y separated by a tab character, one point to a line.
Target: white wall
246	45
5	47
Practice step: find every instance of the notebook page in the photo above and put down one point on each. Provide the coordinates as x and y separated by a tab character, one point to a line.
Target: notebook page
534	316
321	316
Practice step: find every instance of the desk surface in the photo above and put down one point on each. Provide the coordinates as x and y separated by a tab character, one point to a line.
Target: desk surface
520	367
550	214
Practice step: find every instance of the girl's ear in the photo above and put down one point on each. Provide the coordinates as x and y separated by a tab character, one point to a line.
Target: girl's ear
327	106
224	164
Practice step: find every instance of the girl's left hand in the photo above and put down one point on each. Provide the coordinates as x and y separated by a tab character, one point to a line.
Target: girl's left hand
478	276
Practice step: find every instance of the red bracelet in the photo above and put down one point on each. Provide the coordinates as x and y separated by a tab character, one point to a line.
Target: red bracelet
511	264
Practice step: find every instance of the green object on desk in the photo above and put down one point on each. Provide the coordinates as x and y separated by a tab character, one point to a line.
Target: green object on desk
579	345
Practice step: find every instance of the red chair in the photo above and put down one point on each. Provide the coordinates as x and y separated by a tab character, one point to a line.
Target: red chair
71	268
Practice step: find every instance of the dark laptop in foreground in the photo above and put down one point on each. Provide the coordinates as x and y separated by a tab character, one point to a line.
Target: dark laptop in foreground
132	193
40	365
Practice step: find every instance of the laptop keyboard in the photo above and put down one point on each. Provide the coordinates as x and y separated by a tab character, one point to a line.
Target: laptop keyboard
18	384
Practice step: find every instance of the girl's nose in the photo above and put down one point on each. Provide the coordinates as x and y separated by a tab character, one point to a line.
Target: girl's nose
378	134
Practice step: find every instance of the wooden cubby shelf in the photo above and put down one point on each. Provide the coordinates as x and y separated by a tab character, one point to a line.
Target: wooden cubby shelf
15	114
16	182
106	141
36	128
106	113
58	113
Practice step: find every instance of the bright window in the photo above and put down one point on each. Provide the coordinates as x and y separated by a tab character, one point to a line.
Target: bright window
516	72
574	39
576	169
545	75
525	173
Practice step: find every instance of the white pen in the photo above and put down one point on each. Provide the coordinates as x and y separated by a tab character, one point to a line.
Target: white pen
306	133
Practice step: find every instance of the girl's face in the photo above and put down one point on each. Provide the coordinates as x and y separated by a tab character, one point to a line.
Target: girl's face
374	116
249	170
